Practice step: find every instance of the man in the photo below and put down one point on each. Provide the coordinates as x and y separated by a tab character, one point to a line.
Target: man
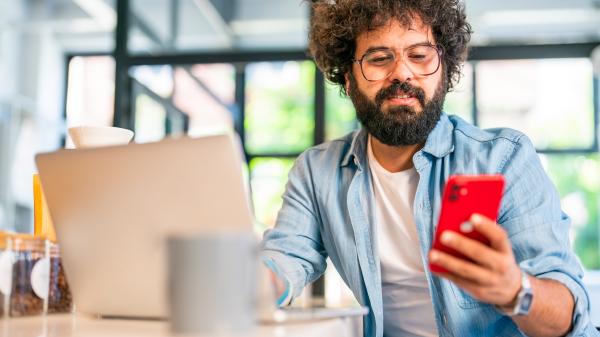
370	200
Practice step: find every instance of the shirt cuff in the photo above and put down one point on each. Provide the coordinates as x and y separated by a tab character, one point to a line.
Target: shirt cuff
286	297
581	319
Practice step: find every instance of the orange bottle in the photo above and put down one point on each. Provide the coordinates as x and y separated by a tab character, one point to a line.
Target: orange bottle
42	223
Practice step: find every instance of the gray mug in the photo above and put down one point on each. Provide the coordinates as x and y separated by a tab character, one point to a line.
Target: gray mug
212	283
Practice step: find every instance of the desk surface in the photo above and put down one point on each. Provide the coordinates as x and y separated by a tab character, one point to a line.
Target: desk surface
84	326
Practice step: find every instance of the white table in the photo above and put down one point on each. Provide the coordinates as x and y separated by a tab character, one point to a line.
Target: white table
84	326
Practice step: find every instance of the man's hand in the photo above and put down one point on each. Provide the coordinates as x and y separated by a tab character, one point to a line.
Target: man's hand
493	276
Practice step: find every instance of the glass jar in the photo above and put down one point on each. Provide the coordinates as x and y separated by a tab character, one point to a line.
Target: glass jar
39	285
27	297
59	297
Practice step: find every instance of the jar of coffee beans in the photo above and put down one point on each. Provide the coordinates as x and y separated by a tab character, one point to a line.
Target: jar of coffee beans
39	285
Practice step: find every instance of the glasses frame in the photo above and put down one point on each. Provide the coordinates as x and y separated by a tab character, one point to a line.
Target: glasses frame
437	48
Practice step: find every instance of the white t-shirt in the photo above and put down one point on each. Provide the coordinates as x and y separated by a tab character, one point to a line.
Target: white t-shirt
407	305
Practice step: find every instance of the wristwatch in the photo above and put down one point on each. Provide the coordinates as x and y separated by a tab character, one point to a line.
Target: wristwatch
524	298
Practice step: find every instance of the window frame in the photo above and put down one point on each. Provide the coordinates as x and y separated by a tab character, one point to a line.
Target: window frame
537	52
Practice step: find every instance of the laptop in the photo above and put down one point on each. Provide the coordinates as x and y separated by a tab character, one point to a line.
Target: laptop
113	207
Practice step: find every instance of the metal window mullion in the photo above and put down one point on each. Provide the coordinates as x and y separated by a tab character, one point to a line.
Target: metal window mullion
474	108
319	90
174	23
122	111
239	110
219	57
68	58
596	97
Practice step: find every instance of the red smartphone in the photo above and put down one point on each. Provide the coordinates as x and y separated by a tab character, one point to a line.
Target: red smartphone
463	196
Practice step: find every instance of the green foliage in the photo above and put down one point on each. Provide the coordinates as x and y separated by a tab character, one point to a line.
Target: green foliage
268	176
577	178
280	110
340	117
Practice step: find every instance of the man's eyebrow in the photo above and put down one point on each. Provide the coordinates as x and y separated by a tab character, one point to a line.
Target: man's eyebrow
422	43
377	48
384	48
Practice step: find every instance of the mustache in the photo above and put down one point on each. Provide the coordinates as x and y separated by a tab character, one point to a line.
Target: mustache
396	86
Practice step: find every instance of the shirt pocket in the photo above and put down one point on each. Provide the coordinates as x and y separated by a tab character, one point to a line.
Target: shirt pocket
464	300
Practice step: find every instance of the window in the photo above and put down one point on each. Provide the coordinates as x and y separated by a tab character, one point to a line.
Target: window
279	125
552	102
340	117
90	91
202	99
268	177
577	178
459	101
279	107
539	97
197	100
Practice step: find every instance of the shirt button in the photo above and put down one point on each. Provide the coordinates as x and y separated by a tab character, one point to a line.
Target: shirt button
444	321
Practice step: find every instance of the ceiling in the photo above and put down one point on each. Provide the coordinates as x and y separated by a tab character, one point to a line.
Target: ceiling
223	24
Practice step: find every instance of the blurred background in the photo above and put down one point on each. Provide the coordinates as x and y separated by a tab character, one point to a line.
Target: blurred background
172	67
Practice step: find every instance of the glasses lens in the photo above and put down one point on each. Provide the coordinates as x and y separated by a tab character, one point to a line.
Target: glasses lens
377	65
422	60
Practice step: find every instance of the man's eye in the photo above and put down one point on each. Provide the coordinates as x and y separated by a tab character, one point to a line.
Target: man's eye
379	60
417	57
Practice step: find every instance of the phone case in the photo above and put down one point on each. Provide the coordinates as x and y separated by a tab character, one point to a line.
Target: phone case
463	196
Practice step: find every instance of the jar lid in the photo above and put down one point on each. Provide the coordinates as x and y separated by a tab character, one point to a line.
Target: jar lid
3	236
28	242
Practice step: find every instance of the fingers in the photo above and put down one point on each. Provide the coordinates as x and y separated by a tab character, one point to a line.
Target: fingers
490	229
473	249
460	267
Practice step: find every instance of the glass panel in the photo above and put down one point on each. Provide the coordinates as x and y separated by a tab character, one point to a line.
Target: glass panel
206	93
149	25
459	101
201	95
279	106
167	26
539	97
268	177
158	79
340	117
150	120
577	178
90	91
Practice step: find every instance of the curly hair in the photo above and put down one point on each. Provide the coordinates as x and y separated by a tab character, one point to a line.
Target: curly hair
336	24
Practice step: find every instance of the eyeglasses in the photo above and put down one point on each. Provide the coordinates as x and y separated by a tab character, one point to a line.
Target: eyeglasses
422	60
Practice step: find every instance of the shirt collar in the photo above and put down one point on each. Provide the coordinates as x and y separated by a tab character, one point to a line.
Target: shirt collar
358	149
439	143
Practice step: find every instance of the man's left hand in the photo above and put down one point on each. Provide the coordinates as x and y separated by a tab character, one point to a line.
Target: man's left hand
493	275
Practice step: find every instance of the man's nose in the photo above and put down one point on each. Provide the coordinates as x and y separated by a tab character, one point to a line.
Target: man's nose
401	72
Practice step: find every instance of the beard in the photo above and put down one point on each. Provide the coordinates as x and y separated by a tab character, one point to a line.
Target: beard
399	125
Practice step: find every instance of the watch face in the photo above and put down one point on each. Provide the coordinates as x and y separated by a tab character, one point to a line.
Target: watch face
525	304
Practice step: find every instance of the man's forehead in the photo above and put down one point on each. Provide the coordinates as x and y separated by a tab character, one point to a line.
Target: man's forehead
410	23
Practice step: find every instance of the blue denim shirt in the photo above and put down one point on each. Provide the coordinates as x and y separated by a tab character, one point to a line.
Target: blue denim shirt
327	211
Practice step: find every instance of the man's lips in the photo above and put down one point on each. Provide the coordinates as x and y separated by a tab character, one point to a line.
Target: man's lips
402	98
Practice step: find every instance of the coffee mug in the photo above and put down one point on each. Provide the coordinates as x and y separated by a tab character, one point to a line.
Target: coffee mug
212	283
